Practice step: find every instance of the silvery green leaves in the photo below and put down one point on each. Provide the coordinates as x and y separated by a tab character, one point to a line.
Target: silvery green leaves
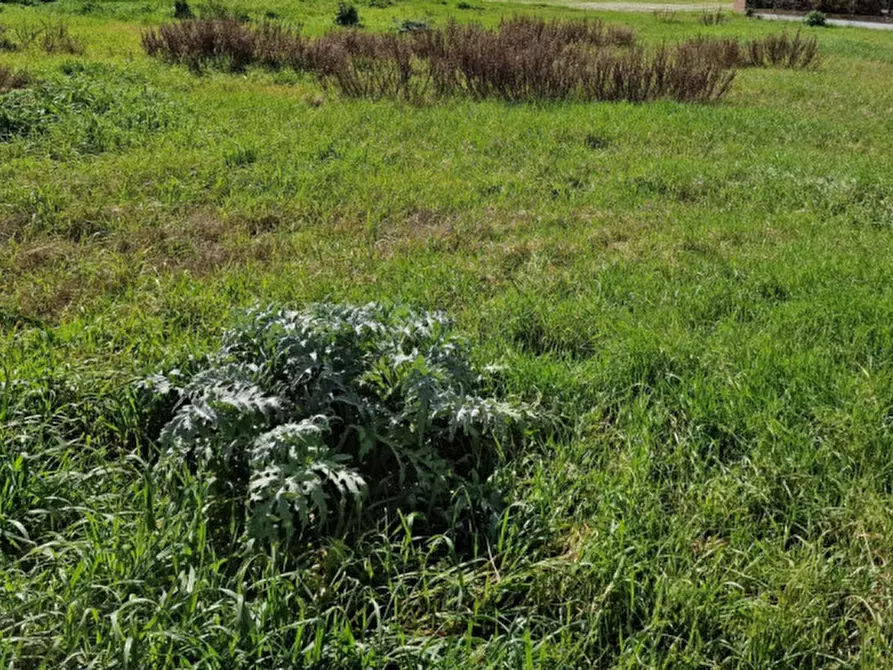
316	416
291	470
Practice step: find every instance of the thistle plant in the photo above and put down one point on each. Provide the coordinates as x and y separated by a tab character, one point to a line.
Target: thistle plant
318	417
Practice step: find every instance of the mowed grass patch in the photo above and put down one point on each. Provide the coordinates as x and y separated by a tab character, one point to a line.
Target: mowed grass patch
697	294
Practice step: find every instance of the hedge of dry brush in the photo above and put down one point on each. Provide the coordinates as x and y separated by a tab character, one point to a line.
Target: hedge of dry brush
522	59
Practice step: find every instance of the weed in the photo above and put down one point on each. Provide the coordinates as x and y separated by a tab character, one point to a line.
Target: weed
240	156
524	59
52	38
6	41
596	142
216	10
312	414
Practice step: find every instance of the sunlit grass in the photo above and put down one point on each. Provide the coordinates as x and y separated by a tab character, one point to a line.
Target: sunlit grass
699	293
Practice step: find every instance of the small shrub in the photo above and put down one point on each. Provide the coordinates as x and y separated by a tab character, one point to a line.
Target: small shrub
182	10
27	35
783	51
347	16
816	19
11	80
309	418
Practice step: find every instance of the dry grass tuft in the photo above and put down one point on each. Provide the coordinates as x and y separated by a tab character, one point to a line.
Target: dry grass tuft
12	79
773	50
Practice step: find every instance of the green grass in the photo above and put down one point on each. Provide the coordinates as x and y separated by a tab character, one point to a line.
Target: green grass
700	292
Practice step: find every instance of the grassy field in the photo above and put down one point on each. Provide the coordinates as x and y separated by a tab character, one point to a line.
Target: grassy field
698	295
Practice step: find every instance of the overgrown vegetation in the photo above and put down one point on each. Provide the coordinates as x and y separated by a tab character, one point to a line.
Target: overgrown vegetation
522	60
82	110
307	419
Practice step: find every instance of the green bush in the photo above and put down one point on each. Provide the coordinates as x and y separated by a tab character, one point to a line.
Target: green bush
314	417
182	10
816	19
347	16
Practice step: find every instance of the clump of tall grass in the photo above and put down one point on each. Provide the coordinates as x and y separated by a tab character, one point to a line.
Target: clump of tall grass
773	50
226	43
712	18
56	38
52	38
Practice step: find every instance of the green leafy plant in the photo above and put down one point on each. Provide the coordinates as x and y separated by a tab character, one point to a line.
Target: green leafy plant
816	19
312	417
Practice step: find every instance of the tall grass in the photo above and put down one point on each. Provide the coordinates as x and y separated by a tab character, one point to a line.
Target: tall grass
781	50
51	37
